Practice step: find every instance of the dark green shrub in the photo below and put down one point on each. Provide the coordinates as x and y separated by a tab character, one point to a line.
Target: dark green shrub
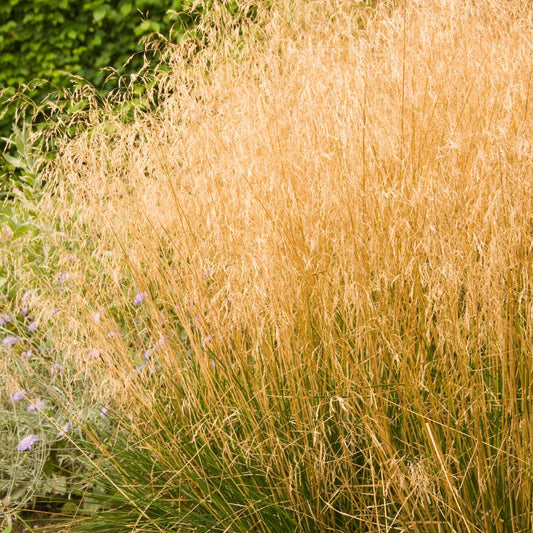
50	39
42	38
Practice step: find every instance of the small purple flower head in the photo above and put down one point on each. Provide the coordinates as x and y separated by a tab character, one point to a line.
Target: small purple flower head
56	369
63	277
146	355
65	429
33	326
104	411
27	442
4	319
113	334
26	297
94	354
36	406
97	316
26	355
10	340
25	311
207	340
139	298
17	396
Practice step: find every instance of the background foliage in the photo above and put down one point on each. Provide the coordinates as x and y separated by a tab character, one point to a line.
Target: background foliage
50	39
52	49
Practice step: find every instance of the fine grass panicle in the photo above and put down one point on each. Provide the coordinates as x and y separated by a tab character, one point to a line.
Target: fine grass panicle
305	277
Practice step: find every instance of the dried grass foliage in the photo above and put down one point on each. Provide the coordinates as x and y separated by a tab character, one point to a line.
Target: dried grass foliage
344	195
310	168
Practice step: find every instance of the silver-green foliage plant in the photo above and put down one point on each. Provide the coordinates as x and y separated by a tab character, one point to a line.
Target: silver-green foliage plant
20	171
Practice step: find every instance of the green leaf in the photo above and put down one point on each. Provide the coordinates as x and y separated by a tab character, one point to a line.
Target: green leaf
22	230
14	161
100	13
126	9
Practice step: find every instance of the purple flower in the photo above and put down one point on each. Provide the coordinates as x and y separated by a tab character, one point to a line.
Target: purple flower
33	326
97	316
139	298
104	411
63	277
112	334
4	319
17	396
65	429
10	340
56	369
26	356
27	442
94	353
207	340
27	296
25	311
37	406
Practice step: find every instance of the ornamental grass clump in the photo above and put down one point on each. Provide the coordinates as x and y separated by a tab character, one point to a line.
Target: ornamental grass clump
328	223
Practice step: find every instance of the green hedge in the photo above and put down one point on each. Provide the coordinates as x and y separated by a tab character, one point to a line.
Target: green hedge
39	38
44	43
46	38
